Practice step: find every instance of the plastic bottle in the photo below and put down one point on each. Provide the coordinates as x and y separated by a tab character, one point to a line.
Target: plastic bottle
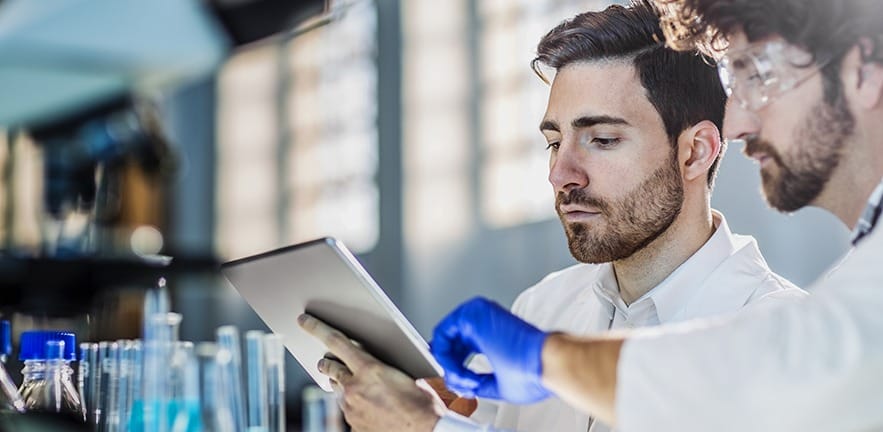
46	378
10	399
5	340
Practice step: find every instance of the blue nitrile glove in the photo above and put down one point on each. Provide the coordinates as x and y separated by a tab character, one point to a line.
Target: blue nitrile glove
513	347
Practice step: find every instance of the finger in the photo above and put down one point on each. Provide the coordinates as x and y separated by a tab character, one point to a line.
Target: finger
458	327
448	347
487	387
452	357
338	393
463	383
335	386
449	328
338	343
475	386
335	370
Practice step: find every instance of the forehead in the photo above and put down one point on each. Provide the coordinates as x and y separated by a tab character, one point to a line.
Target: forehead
598	88
738	42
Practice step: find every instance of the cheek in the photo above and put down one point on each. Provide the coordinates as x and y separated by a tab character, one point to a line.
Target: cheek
784	119
782	129
615	178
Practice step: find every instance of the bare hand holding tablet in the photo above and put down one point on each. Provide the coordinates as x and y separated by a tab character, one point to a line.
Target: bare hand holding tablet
323	279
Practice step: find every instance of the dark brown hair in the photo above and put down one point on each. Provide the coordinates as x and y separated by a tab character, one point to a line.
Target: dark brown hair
683	86
826	28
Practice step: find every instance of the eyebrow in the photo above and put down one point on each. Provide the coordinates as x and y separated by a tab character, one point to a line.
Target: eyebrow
584	122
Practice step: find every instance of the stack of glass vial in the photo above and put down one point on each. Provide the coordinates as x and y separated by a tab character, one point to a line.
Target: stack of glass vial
157	384
162	384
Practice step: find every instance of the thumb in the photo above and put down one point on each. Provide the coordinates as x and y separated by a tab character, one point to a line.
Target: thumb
487	386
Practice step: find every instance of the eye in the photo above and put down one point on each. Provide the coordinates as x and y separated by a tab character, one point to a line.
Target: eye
606	142
553	146
755	77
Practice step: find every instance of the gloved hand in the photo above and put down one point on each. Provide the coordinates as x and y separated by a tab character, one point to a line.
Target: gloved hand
513	347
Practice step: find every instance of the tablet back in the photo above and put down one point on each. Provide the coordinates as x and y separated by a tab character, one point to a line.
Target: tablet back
323	278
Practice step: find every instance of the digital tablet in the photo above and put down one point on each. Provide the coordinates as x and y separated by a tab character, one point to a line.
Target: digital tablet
324	279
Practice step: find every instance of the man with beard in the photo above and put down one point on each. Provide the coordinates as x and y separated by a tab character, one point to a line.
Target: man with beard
806	85
633	131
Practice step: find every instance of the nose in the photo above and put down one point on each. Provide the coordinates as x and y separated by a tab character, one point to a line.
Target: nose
739	122
567	169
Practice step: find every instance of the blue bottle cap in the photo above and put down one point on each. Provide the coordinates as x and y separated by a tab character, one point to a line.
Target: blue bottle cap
5	337
33	344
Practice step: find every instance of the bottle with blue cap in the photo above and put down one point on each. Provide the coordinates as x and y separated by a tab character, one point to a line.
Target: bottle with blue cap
10	399
5	340
47	383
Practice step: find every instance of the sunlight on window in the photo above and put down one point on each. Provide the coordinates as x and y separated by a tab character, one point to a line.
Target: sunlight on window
247	140
514	190
333	130
438	197
297	139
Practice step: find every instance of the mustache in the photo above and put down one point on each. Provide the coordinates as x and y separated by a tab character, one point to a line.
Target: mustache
579	197
754	144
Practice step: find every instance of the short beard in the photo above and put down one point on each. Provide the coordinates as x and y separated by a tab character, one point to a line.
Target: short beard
632	223
806	169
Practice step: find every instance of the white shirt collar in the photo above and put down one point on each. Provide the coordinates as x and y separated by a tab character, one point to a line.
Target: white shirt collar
671	296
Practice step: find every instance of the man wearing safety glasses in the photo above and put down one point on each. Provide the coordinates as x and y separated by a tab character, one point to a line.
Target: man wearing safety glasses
806	85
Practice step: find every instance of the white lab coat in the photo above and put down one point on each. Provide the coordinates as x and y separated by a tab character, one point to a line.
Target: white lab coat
814	365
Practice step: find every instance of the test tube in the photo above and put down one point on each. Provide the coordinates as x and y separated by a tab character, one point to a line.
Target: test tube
230	371
214	403
333	415
101	383
257	381
313	400
146	407
321	412
135	357
274	355
124	400
156	301
83	374
157	393
111	374
84	383
185	389
91	382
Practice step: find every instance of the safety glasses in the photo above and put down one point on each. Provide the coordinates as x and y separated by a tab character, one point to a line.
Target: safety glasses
758	74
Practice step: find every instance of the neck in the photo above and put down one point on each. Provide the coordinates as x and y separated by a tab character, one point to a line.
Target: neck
647	268
859	172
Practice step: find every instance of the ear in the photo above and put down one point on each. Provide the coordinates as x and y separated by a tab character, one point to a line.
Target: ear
866	76
698	148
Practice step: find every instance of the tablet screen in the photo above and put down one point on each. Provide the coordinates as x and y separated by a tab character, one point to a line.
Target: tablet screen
324	279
